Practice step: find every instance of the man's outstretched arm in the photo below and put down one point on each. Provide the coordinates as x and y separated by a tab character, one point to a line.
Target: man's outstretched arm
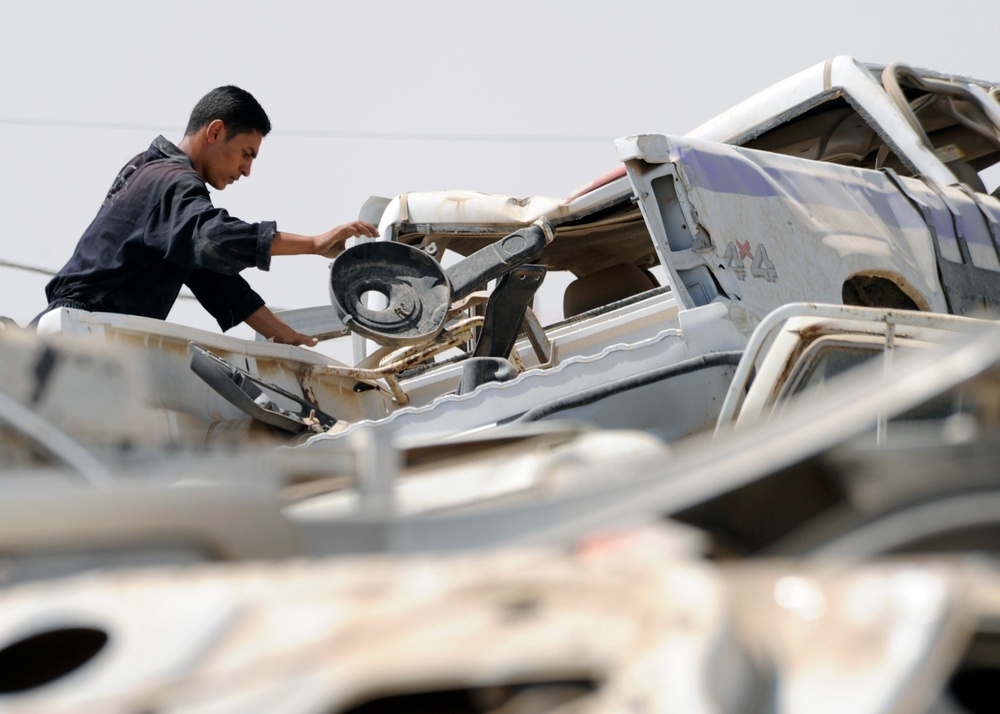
329	244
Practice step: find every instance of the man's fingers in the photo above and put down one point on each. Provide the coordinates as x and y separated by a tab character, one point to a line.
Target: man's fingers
301	340
360	228
339	236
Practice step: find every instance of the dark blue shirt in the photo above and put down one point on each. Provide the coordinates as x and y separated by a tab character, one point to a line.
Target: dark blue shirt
156	231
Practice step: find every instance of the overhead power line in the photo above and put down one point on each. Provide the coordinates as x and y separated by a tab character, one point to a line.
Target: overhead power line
430	136
50	273
27	268
327	134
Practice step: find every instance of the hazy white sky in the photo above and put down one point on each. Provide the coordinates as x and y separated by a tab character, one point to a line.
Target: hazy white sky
517	97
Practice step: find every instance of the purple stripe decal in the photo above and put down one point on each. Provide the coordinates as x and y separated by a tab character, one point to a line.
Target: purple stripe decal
763	175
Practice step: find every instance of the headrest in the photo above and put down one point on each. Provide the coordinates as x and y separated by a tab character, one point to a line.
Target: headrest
605	286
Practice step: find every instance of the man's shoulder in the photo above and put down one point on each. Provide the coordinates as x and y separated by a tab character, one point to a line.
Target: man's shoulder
155	171
165	160
173	169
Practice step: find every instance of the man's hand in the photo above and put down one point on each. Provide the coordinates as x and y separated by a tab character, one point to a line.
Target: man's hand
274	328
295	338
331	243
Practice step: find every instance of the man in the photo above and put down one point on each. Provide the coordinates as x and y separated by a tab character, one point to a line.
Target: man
158	230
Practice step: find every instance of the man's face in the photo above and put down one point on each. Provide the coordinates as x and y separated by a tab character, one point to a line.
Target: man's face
230	156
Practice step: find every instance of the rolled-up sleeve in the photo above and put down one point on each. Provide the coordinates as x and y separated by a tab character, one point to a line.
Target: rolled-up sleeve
228	298
191	232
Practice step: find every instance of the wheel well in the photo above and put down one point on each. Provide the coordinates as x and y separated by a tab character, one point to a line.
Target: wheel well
877	291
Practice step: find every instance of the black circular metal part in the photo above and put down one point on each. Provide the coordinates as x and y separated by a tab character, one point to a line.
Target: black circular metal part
412	285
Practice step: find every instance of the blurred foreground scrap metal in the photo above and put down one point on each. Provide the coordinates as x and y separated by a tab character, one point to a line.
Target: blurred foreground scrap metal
749	467
621	628
681	586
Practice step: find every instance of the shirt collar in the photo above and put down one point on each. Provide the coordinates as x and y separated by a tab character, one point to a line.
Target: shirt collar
168	149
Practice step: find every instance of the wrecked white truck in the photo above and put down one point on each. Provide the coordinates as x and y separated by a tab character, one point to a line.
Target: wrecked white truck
846	183
800	347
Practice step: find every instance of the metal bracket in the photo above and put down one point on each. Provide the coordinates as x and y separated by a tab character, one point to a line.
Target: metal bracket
505	310
248	394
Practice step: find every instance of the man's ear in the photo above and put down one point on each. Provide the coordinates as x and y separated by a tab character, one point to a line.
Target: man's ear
215	130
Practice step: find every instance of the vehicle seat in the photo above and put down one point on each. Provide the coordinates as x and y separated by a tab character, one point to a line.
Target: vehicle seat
605	286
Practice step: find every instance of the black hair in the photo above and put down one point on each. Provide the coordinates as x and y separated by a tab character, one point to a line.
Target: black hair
237	109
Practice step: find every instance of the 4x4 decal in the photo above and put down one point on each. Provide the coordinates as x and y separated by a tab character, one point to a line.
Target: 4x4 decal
760	265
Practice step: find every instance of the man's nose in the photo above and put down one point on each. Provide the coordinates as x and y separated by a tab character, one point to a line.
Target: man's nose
245	167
